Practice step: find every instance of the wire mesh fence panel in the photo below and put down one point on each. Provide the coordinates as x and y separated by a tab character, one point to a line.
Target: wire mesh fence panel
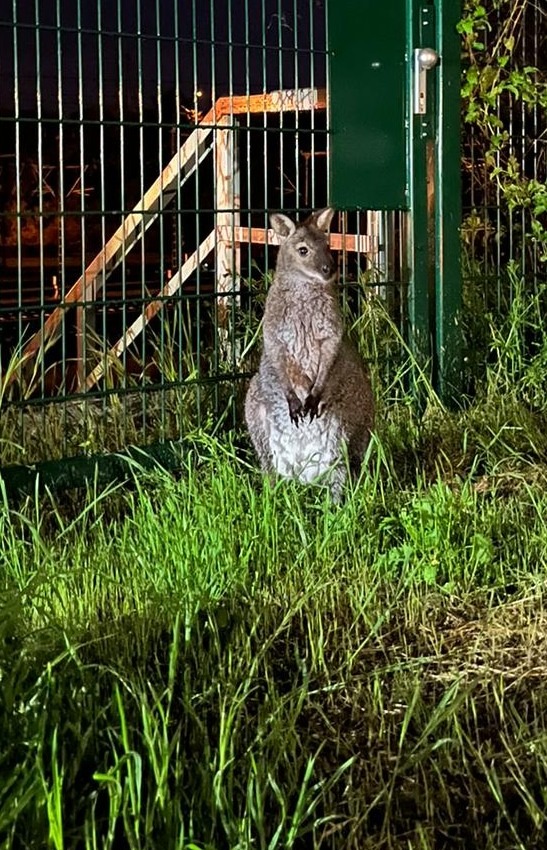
142	147
504	169
504	159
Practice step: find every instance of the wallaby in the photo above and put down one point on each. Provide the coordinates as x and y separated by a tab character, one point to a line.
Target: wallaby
309	409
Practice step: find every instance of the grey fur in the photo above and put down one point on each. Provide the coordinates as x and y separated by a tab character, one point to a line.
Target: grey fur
309	409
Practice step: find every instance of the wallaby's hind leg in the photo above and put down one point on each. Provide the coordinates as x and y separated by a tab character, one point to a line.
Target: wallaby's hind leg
256	415
337	483
355	465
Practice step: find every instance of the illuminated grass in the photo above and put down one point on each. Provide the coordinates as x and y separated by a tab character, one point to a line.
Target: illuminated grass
213	663
205	661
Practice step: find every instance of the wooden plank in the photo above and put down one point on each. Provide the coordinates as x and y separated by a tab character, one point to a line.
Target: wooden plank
144	213
227	252
363	244
283	100
227	203
154	307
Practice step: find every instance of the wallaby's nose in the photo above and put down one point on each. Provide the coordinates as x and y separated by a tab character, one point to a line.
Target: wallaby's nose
328	268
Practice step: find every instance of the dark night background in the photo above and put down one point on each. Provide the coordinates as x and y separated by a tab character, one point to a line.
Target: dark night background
143	49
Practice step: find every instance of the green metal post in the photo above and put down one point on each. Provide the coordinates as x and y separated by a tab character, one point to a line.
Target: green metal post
435	195
448	287
420	236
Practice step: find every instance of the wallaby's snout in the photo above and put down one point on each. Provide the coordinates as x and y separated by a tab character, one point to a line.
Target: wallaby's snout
324	261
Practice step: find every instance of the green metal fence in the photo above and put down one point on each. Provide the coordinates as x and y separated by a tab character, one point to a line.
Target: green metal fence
142	146
504	165
140	143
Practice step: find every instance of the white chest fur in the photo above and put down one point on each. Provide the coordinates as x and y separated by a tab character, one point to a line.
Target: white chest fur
306	452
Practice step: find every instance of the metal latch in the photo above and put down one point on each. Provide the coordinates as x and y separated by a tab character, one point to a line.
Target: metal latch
425	58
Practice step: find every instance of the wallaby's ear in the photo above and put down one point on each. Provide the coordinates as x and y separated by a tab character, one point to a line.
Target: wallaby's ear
282	225
323	218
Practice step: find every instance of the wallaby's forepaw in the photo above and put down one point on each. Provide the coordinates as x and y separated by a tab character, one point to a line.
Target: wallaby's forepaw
311	406
296	411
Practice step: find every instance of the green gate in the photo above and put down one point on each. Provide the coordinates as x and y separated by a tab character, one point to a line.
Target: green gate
395	106
142	146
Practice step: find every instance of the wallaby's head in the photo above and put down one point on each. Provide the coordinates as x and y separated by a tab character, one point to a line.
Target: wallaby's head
304	248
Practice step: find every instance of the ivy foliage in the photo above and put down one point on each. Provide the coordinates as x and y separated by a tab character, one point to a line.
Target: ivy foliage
497	36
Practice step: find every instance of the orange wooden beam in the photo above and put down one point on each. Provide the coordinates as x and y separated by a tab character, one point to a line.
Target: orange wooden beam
290	100
363	243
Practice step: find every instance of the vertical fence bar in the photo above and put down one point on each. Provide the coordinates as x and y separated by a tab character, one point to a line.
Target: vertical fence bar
102	183
165	338
40	173
523	143
247	155
235	247
60	206
217	352
195	83
142	184
448	294
281	23
227	204
420	221
264	52
312	149
122	195
326	20
536	130
18	197
85	319
500	108
176	247
298	138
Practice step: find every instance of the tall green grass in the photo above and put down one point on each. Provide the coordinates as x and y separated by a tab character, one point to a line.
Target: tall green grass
207	661
211	662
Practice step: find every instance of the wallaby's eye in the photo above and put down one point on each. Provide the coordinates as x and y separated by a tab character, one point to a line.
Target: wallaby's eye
302	250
